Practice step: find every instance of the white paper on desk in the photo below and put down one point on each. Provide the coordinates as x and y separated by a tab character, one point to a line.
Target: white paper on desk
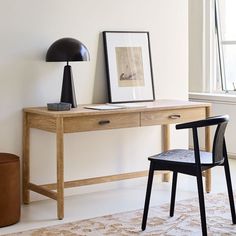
126	105
103	107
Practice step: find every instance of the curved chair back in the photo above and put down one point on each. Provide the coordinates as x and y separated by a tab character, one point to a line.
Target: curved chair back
219	143
219	148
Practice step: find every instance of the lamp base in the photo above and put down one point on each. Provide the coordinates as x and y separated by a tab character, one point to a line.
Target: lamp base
68	90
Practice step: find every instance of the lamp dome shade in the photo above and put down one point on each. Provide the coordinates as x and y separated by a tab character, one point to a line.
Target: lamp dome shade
67	49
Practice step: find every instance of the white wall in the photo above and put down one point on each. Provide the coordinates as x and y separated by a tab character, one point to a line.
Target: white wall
201	50
196	45
29	27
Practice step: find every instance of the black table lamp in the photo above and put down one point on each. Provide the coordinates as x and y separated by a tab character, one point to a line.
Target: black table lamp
67	49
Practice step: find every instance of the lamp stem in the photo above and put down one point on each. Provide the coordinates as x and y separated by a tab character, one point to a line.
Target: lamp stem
68	90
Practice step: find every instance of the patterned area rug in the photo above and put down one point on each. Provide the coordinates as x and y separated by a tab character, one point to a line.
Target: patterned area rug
186	221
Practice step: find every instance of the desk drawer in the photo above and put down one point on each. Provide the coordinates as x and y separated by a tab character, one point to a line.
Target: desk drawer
171	116
101	122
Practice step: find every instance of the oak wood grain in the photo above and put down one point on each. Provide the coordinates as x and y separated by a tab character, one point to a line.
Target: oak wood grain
160	112
60	167
101	122
26	160
43	190
172	116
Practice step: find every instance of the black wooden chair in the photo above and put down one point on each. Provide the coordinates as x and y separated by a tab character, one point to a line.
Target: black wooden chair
193	162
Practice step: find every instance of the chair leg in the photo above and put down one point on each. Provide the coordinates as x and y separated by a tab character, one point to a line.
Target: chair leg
201	203
148	195
230	190
173	193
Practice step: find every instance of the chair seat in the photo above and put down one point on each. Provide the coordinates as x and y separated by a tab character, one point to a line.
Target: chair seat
183	156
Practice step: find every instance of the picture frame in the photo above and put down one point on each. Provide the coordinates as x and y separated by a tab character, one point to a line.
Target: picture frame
128	66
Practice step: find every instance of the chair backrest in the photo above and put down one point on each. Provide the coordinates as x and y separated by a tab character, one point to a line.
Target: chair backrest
219	141
218	154
219	148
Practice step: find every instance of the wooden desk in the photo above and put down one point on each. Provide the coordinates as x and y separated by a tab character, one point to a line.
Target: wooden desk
161	112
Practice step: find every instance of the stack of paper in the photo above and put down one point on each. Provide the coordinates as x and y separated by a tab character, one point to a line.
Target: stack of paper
111	106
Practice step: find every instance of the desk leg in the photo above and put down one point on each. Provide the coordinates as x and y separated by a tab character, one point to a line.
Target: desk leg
208	149
60	168
166	146
26	160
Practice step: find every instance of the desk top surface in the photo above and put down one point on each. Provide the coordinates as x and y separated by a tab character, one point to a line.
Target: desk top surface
146	106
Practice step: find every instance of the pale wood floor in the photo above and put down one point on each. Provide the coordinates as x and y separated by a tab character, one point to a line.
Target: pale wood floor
112	198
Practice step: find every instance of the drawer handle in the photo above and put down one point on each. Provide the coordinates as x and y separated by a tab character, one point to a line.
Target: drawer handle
103	122
174	116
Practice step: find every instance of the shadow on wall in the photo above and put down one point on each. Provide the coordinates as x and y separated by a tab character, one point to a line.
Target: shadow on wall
100	94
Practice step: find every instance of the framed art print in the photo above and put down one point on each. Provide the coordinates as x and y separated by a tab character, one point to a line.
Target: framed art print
129	68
